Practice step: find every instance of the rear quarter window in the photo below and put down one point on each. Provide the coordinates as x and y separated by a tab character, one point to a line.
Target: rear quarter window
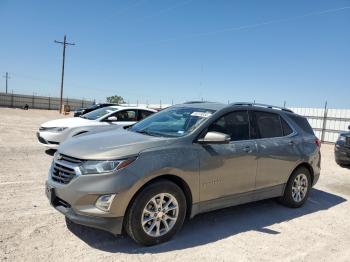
302	123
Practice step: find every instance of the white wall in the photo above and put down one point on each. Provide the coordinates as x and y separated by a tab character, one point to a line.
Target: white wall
316	121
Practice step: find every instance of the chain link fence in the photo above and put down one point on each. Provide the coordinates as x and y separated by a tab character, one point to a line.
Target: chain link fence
40	102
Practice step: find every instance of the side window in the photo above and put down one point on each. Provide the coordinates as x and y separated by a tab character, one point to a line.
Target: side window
287	130
302	123
268	124
235	124
126	115
143	114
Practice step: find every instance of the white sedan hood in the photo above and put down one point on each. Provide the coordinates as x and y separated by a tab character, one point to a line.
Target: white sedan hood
71	122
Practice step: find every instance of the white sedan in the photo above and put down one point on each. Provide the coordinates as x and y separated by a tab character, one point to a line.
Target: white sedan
54	132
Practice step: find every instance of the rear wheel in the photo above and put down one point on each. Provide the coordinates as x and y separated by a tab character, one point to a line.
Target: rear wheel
297	189
157	213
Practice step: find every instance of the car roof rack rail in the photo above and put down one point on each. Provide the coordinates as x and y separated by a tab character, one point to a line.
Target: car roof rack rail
262	105
196	102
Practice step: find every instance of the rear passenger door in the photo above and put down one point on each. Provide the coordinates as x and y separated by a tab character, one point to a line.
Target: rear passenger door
277	149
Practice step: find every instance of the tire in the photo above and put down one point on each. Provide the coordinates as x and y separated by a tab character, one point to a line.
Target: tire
290	197
145	207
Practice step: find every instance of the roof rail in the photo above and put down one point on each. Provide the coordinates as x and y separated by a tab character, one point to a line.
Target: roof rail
195	102
262	105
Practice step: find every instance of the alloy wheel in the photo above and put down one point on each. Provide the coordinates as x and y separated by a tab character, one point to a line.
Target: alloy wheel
300	187
160	214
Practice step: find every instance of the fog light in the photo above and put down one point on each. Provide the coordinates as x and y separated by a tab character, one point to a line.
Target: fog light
104	202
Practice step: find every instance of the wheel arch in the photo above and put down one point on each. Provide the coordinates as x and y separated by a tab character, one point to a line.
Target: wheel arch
169	177
308	167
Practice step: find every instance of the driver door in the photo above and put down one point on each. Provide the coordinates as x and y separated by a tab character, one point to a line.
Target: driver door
228	170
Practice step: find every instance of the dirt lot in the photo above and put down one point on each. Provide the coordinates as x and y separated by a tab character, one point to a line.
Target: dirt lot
31	230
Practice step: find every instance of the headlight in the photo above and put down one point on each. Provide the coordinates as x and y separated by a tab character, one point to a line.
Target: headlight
341	138
55	129
104	166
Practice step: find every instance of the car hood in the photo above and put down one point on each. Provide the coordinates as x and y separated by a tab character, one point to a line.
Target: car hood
110	144
70	122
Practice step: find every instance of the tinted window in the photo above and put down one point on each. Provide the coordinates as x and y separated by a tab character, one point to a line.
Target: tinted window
302	123
235	124
126	115
287	130
268	124
143	114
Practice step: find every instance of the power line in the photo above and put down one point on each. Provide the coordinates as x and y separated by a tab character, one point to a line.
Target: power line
245	27
167	9
64	43
7	77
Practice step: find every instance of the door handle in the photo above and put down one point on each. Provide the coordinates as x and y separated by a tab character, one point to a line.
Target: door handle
291	143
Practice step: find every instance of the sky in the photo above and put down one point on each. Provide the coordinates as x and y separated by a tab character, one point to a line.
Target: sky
180	50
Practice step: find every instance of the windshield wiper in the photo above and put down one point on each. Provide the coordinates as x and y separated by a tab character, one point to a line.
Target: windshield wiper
144	132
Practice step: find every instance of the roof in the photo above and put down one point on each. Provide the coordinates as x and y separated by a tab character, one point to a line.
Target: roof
219	106
132	107
203	105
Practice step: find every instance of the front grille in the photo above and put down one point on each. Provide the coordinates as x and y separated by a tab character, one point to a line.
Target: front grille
62	174
53	142
70	159
63	169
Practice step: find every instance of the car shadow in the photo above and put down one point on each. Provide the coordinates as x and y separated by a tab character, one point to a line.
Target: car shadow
213	226
50	152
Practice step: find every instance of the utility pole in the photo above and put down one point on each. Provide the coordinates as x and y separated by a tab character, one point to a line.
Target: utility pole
64	43
7	77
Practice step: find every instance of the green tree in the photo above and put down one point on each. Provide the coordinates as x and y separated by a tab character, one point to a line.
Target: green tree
115	99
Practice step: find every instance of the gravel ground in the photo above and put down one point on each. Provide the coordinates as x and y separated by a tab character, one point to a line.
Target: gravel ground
31	230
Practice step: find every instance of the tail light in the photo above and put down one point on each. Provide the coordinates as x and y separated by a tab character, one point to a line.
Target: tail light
318	142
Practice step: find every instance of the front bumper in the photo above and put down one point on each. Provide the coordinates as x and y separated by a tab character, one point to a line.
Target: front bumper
48	141
76	197
113	225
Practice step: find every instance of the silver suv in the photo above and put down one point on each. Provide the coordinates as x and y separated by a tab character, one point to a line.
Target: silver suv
188	159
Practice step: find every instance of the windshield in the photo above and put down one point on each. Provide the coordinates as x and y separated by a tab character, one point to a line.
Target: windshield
93	106
93	115
172	122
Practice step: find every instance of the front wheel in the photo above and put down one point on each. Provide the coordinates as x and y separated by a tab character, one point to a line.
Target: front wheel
297	189
157	213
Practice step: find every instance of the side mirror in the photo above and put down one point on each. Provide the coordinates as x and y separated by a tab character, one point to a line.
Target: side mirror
215	138
112	118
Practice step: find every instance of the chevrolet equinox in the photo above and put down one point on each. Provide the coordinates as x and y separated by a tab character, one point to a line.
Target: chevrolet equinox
187	159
